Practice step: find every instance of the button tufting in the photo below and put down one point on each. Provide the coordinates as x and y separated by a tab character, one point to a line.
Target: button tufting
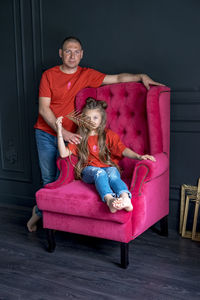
118	113
138	132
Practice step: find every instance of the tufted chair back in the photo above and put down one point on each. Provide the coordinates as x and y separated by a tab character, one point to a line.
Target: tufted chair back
126	115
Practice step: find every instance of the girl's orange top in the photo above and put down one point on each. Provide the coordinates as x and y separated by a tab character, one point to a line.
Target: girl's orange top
113	143
62	88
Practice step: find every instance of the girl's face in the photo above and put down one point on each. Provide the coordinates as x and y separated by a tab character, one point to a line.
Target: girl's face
95	116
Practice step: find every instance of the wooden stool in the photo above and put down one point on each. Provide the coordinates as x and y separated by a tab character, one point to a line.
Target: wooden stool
193	197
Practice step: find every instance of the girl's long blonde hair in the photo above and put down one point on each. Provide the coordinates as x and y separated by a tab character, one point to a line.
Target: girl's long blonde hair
83	152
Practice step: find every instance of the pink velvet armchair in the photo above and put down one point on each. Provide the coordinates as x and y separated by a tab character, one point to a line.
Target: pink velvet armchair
142	119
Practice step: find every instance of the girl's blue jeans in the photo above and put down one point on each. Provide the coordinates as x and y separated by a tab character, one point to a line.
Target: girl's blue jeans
107	181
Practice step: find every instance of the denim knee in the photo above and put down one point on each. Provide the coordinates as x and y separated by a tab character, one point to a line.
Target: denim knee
100	173
113	173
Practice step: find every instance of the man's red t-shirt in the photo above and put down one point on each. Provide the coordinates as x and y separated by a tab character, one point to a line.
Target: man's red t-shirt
113	143
62	89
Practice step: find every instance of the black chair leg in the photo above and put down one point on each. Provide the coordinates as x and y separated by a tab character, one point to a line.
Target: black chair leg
51	240
164	226
124	255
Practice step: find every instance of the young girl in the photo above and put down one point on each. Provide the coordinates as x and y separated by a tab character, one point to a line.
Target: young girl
99	152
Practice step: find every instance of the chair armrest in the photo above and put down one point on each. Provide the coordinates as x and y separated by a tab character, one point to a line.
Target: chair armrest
147	170
66	167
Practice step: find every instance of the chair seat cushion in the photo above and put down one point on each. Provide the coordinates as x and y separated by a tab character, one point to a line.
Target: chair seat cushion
78	199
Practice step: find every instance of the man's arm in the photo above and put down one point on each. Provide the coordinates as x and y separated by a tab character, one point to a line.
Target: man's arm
46	112
127	77
49	117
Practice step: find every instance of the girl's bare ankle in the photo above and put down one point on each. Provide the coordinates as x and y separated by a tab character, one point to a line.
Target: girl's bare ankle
108	197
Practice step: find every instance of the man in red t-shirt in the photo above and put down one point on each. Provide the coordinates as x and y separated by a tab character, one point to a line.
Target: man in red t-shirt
58	88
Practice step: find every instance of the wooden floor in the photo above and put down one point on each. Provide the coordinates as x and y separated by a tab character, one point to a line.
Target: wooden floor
88	268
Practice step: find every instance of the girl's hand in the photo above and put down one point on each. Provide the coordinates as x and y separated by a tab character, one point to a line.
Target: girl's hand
59	122
146	156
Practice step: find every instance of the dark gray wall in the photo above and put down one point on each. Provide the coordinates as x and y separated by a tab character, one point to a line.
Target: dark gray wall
160	38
